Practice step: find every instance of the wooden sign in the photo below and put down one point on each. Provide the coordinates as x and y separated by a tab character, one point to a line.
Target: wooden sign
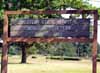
61	27
50	28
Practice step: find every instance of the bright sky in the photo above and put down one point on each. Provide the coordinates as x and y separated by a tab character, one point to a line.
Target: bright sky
95	3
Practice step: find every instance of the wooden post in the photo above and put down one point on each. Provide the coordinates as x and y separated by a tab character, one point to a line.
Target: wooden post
94	45
4	60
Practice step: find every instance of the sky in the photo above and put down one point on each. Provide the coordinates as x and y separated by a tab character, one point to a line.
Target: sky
95	3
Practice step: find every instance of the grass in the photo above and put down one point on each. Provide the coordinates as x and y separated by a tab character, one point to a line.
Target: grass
41	65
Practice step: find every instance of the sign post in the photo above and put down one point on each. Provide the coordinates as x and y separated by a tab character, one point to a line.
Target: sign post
94	45
4	58
49	30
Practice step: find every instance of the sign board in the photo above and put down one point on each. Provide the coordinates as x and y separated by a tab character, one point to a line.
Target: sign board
50	28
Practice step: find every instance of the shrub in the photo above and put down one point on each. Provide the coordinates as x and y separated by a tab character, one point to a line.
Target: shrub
98	59
34	57
64	58
98	55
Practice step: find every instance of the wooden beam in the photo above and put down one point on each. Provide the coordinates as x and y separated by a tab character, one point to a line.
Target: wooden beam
48	40
52	12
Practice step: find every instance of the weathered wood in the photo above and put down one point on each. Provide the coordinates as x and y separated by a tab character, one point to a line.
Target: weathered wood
94	44
49	39
5	27
4	58
52	12
5	46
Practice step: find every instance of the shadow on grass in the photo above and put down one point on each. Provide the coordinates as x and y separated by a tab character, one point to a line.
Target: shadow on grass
20	63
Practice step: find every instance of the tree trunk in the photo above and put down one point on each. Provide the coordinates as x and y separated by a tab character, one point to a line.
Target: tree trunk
23	54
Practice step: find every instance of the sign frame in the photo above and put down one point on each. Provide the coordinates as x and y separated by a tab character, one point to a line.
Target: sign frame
7	39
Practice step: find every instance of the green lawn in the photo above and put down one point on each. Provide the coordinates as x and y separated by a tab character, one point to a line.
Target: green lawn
40	65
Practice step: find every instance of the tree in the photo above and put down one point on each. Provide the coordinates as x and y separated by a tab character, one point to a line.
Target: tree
24	47
24	56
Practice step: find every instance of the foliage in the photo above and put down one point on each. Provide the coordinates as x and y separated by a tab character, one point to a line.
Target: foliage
12	50
98	59
42	5
32	50
64	49
98	46
99	55
63	58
